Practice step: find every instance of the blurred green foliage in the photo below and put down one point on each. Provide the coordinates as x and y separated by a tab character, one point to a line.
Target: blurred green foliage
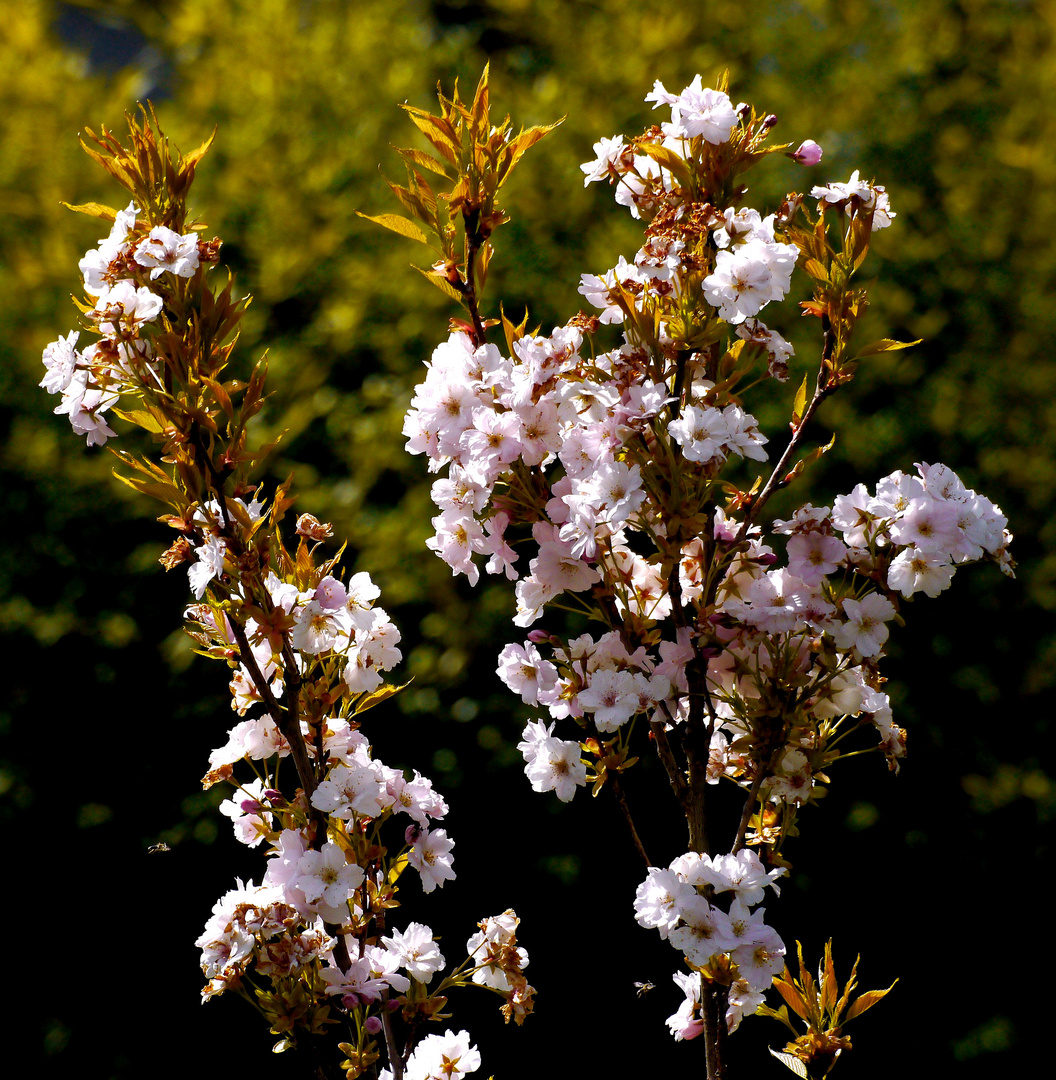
946	102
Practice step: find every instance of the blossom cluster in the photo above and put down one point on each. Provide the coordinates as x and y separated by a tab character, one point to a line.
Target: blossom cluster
680	902
620	480
92	380
313	943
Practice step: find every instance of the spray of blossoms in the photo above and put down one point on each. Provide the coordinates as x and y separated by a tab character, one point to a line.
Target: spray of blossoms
317	945
612	468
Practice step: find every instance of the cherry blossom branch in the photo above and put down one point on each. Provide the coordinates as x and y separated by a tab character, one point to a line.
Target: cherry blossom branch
777	478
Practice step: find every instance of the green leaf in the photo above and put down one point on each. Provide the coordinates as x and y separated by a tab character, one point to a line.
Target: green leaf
403	226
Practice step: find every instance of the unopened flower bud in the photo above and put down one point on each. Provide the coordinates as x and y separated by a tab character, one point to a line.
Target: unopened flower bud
809	153
538	637
312	528
372	1025
769	121
412	833
767	558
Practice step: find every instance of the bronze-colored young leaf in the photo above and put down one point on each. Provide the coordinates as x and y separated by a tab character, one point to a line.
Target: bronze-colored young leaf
441	283
885	345
397	224
790	1062
867	1001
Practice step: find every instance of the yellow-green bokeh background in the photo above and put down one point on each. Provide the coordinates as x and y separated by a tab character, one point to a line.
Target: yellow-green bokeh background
105	722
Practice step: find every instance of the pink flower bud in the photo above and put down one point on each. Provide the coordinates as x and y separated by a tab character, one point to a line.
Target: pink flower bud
372	1025
809	153
538	637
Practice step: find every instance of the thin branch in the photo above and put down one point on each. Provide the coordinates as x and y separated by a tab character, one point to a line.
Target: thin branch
621	799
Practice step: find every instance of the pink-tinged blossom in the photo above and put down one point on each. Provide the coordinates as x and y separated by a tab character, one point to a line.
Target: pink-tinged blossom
253	739
60	358
612	697
701	432
95	266
659	900
744	874
123	308
162	249
416	798
686	1023
865	628
914	570
552	764
928	524
330	594
368	977
748	277
85	403
247	815
608	154
525	672
431	857
696	111
352	789
759	962
416	951
704	931
853	515
319	629
812	556
869	197
502	558
442	1057
328	879
458	536
208	565
743	436
743	1001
